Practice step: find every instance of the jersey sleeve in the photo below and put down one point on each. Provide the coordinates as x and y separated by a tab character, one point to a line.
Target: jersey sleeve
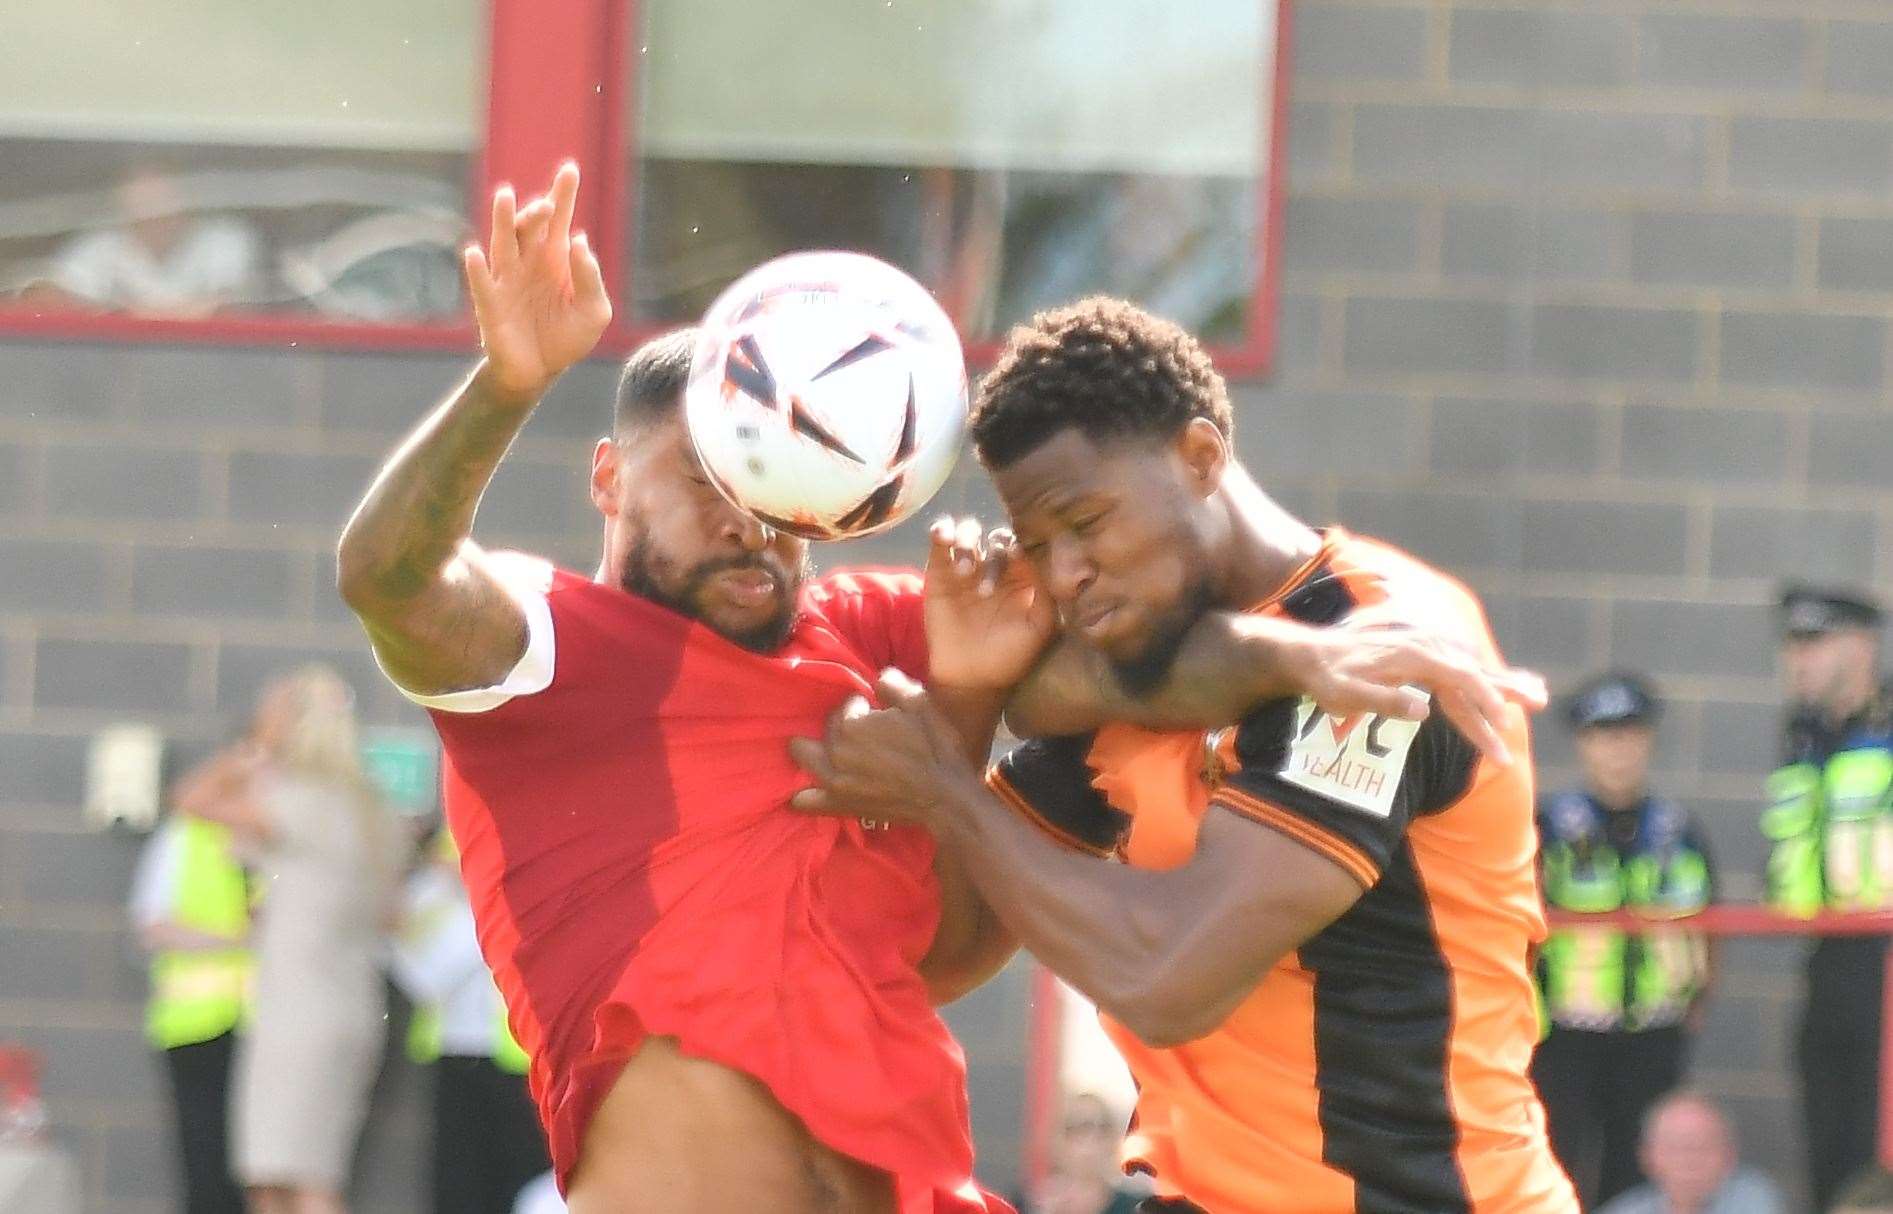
880	612
1048	782
1347	788
528	581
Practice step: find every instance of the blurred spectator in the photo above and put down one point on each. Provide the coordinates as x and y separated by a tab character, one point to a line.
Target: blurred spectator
1085	1177
487	1141
326	851
22	1108
161	261
1621	1004
36	1177
1869	1192
190	904
1832	841
1690	1155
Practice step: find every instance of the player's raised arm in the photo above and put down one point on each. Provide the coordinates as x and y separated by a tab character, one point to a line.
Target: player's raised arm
407	564
1231	661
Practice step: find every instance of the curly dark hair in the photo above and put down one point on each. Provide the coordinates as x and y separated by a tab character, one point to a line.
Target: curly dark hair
1102	366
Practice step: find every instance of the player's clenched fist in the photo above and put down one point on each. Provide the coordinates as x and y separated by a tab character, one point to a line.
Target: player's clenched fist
888	763
538	295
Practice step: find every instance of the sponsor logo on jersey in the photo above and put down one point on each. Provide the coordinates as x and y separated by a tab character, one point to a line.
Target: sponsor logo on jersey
1355	760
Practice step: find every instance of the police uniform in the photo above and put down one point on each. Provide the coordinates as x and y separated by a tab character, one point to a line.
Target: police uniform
1615	1001
1830	824
188	877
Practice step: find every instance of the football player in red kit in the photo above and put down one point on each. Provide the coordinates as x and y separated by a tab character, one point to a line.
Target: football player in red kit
729	1006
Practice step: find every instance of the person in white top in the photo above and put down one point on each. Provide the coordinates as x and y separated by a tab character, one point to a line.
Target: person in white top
160	261
487	1143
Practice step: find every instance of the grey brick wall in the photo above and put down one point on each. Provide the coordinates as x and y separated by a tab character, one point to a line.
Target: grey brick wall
1585	303
1617	355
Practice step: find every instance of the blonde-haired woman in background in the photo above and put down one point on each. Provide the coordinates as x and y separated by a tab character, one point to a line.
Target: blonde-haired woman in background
326	852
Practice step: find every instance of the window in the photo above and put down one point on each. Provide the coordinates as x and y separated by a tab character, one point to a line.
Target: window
226	170
214	157
1012	154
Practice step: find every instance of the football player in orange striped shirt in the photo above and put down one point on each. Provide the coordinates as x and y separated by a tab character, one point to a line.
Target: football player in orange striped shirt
1308	932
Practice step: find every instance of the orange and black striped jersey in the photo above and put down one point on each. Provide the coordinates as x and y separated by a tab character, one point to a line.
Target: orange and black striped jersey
1382	1066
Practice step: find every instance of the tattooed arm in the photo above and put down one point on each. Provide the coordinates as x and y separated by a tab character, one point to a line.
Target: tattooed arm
407	564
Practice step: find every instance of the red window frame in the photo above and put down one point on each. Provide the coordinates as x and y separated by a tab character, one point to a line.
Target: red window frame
559	80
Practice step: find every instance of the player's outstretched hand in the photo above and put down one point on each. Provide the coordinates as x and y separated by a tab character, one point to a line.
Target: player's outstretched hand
538	295
1371	663
987	617
886	764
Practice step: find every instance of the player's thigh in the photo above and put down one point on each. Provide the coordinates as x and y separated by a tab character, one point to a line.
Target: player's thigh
681	1135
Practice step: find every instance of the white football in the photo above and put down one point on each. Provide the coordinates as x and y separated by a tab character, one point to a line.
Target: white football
827	395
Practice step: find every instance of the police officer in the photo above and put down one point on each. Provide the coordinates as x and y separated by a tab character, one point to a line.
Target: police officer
1830	821
190	902
1621	1004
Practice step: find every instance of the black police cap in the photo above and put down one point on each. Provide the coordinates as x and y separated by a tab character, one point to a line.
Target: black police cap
1811	610
1613	699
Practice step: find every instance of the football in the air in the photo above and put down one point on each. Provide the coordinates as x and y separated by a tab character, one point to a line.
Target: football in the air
827	395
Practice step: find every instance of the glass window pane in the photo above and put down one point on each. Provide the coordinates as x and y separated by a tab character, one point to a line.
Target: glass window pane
1011	153
197	157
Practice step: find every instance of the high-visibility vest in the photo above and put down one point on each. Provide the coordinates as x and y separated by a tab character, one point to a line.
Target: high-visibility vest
424	1030
1831	824
200	994
424	1045
1604	978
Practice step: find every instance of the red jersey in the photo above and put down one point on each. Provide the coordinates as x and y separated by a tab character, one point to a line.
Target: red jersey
620	806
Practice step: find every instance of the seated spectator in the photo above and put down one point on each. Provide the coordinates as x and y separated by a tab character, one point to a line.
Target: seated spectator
1085	1177
159	261
1689	1154
1869	1192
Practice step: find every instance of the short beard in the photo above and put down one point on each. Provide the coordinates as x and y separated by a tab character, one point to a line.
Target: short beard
1146	671
766	638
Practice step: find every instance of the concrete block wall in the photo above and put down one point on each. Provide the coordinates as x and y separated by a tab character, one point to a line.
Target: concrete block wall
1588	303
1584	301
167	518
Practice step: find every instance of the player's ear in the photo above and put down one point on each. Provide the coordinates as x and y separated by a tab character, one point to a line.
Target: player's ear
1205	454
605	467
